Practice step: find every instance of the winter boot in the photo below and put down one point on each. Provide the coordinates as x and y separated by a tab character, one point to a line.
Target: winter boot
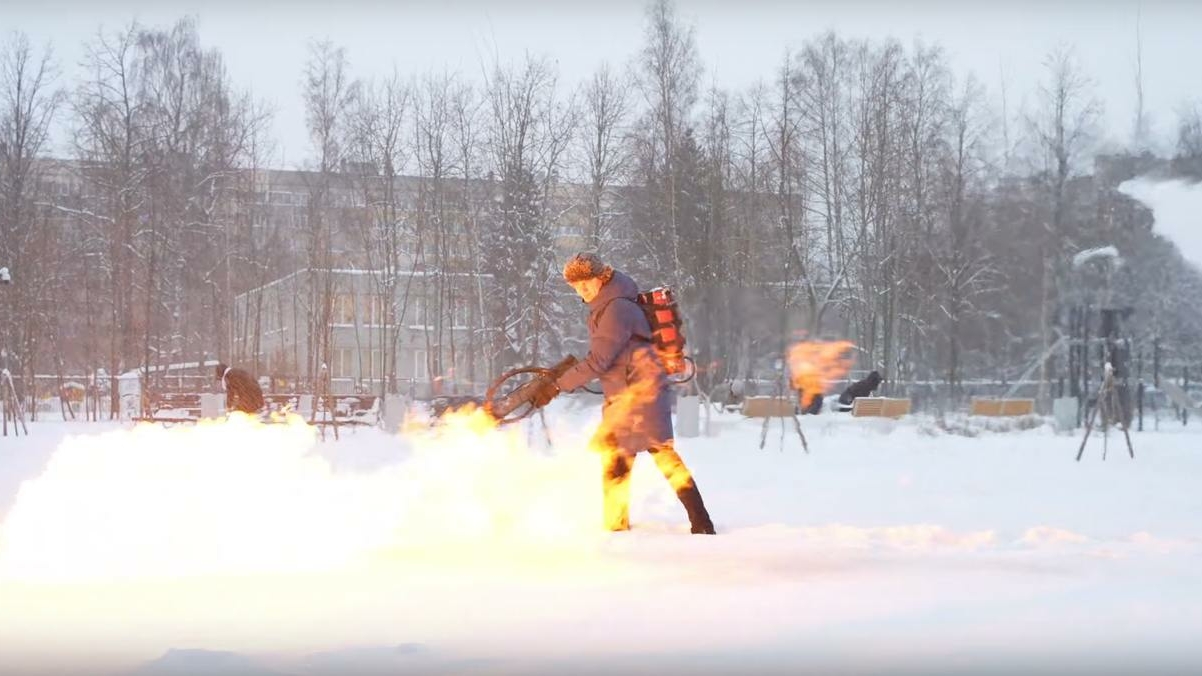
699	518
615	489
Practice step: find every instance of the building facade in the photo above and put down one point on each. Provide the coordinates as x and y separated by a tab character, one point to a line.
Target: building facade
371	335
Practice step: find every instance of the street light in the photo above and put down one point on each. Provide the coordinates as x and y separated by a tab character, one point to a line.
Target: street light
93	411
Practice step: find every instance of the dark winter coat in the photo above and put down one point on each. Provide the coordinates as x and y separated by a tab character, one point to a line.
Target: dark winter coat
242	391
815	406
637	413
860	388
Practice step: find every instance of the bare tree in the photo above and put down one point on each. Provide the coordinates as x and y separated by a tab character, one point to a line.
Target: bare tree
925	92
380	135
821	82
874	200
197	133
329	93
111	143
1189	138
1062	128
669	73
257	248
963	267
606	110
466	132
528	135
1141	128
28	246
435	225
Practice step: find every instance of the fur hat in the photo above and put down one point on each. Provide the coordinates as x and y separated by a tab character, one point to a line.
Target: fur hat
584	266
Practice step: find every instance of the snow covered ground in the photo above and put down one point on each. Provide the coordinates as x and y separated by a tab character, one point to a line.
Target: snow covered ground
892	547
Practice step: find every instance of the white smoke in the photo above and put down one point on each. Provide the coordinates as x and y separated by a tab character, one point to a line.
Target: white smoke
239	497
1177	209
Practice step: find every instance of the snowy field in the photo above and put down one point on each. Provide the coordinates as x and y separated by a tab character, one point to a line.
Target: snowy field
892	547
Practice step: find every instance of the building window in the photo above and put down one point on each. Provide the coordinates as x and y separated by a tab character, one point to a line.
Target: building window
415	313
373	364
568	230
421	369
344	309
343	365
376	310
460	315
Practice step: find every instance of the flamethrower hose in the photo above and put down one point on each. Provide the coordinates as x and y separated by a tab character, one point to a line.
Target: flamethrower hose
692	373
490	395
545	373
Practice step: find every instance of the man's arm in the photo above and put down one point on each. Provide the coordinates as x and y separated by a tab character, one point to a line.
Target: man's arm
607	342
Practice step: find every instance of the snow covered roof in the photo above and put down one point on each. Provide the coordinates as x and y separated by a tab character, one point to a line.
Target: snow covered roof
1097	252
360	272
179	366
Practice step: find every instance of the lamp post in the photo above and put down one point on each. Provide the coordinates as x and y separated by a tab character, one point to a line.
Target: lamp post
92	387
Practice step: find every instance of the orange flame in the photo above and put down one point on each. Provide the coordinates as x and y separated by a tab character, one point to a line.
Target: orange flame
625	412
813	366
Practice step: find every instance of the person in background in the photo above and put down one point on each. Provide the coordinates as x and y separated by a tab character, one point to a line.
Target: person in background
860	388
242	391
815	405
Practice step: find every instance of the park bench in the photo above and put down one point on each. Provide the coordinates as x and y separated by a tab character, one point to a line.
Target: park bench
879	407
769	407
171	407
1001	407
363	410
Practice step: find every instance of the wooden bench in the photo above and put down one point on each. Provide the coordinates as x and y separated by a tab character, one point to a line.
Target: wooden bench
769	407
173	407
349	409
359	409
1001	407
880	407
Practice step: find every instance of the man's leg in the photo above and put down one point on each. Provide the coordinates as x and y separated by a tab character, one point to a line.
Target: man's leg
673	468
615	487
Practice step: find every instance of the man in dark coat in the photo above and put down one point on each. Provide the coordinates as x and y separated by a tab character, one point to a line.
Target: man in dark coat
637	413
860	388
814	407
242	392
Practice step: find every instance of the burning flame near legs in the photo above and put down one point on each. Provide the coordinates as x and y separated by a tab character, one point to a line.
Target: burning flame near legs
636	418
672	467
616	489
815	365
469	480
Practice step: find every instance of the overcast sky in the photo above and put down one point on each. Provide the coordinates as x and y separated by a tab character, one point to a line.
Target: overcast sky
740	41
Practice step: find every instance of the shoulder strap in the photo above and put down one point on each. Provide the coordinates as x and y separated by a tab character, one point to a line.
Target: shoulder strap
609	302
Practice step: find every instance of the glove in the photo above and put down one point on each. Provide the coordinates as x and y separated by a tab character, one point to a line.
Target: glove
545	391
